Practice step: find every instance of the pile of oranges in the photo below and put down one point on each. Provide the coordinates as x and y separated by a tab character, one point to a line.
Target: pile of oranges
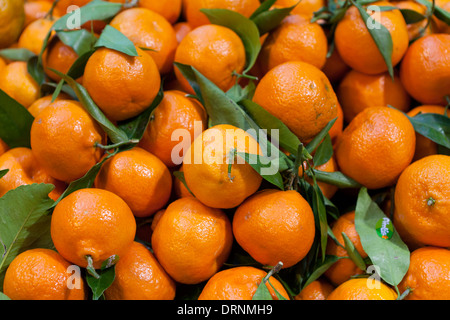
173	211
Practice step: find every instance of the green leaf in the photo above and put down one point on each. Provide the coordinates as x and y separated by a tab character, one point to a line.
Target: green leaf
336	178
265	6
115	134
353	253
412	16
324	152
16	54
3	297
390	255
261	164
24	222
435	127
268	20
438	12
180	176
320	268
245	28
262	292
15	122
81	41
36	70
320	212
238	94
114	39
3	173
100	284
314	143
381	36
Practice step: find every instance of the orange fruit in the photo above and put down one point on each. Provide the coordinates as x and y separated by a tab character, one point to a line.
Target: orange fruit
33	36
41	274
317	290
441	26
176	115
181	30
425	69
179	189
196	18
139	276
169	9
335	68
58	56
92	222
24	170
305	7
360	289
63	5
338	126
415	29
291	232
427	275
358	91
12	15
424	146
3	63
43	102
63	154
18	83
376	146
215	51
122	86
296	38
192	241
156	217
205	166
3	147
139	178
357	47
148	29
343	269
328	190
300	95
421	201
239	283
37	9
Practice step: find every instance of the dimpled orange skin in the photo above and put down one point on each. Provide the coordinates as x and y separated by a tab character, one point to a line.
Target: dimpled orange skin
169	9
139	276
304	7
18	83
356	46
358	289
24	170
139	178
43	102
316	290
175	112
358	91
425	69
192	241
33	36
296	38
335	68
181	30
215	51
148	29
92	222
422	201
291	232
193	15
428	276
239	283
328	190
59	57
376	147
300	95
343	269
41	274
205	167
63	138
424	146
122	86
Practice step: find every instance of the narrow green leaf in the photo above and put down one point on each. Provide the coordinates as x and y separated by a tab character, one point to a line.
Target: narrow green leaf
265	6
438	12
268	20
114	39
320	212
320	269
336	178
4	297
3	173
36	70
267	168
412	16
391	256
324	152
180	176
353	253
314	143
262	293
16	54
435	127
81	41
100	284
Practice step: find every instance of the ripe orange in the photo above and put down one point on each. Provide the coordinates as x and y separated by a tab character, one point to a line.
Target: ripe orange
239	283
215	51
343	269
3	147
421	201
205	166
139	276
193	15
24	170
191	240
12	15
18	83
148	29
43	102
169	9
296	38
338	126
63	154
317	290
38	9
33	36
328	190
179	188
58	56
92	222
274	226
357	47
305	7
358	91
424	146
42	274
176	116
376	147
122	86
415	29
335	68
425	69
139	178
428	273
360	289
181	30
300	95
